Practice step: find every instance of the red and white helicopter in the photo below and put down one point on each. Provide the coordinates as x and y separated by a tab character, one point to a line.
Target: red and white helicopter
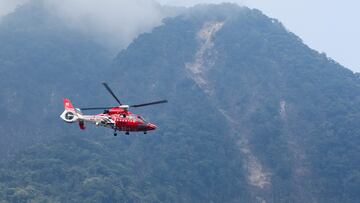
117	118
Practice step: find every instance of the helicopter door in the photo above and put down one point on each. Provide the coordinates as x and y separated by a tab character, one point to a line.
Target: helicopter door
123	122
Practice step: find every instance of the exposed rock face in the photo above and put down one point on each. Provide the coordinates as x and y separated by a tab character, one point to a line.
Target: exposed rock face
205	56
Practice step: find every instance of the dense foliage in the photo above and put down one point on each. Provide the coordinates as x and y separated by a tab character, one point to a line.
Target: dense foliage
275	120
77	169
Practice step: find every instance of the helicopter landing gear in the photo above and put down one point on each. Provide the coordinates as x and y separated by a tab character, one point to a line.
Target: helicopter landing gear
115	134
127	133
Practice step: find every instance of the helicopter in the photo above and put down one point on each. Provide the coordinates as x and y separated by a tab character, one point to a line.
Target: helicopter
118	118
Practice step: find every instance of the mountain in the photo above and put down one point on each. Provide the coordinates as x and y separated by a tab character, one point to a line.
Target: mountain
254	115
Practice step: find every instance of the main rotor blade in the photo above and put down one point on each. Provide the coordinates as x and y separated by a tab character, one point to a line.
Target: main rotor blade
111	92
96	108
151	103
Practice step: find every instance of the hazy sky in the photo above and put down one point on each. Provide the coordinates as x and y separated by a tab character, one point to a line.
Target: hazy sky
327	26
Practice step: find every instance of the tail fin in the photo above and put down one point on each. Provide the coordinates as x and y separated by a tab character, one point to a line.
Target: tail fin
68	105
71	115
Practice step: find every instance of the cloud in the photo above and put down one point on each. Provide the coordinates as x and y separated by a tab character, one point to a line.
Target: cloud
113	22
8	6
189	3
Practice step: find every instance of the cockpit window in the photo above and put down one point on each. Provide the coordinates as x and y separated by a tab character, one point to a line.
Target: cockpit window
136	118
141	118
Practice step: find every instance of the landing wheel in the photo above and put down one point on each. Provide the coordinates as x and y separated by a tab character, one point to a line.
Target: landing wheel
127	133
145	132
115	134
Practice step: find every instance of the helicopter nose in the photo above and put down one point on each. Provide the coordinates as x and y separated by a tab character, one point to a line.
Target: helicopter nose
151	126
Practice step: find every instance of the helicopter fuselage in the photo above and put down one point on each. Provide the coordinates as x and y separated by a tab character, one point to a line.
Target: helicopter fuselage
115	118
123	120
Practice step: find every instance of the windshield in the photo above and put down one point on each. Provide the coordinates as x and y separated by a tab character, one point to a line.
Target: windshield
141	119
137	118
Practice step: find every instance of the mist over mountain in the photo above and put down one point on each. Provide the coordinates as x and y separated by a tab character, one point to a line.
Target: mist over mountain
110	23
255	115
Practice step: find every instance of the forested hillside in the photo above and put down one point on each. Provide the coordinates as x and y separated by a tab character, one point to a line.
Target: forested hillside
41	61
254	115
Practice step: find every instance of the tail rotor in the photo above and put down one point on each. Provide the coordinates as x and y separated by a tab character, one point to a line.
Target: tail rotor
72	115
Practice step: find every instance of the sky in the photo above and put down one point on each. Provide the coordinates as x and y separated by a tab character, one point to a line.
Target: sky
327	26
